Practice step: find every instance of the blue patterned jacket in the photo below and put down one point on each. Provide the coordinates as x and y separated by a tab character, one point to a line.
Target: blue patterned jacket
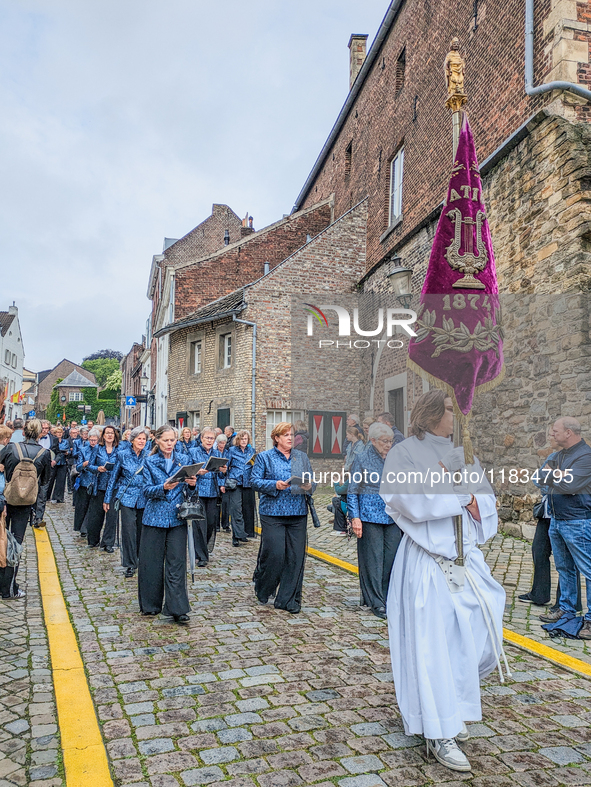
272	466
160	510
238	466
124	477
60	456
99	458
84	455
363	497
76	446
208	484
184	448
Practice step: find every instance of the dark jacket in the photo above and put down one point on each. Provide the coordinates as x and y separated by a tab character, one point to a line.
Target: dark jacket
84	455
126	479
161	504
570	500
300	441
363	495
272	466
99	458
9	458
239	466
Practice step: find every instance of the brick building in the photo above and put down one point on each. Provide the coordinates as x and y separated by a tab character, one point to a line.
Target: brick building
48	378
71	389
131	373
392	145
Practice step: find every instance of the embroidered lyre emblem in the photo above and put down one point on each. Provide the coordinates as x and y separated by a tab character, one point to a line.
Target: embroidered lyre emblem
468	262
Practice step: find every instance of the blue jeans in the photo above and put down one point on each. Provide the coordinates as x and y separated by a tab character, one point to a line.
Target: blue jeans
571	545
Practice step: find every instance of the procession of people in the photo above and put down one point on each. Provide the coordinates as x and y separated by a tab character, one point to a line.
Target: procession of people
157	495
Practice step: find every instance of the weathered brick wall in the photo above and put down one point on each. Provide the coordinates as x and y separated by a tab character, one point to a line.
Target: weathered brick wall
539	209
382	120
332	262
206	238
206	280
62	370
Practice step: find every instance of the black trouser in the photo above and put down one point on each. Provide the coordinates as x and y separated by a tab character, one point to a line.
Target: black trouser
17	518
131	534
236	518
282	555
200	539
43	496
248	504
162	575
212	518
541	549
50	485
81	508
225	511
69	482
340	520
376	550
59	487
96	518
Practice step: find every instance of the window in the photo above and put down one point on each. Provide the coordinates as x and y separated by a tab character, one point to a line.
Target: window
275	417
226	350
195	417
75	396
171	302
396	175
14	360
7	357
223	417
348	159
400	72
196	356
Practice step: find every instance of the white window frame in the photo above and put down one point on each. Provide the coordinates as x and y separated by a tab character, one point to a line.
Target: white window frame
197	353
226	339
76	396
275	417
396	178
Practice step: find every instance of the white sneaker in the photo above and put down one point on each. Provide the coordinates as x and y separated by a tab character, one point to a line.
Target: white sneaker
464	735
446	751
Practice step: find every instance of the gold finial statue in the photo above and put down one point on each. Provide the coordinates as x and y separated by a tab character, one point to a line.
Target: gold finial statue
454	75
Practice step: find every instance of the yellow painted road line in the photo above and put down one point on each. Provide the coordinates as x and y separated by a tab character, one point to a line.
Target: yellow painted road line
85	758
546	652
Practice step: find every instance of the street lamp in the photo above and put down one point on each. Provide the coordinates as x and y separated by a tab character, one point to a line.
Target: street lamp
144	382
401	282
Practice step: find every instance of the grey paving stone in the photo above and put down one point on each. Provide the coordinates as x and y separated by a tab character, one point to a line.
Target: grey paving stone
398	740
156	746
265	669
500	691
562	755
202	677
231	674
17	727
256	703
43	772
208	725
478	730
569	720
183	691
322	695
367	780
363	764
240	719
369	728
138	707
128	688
522	677
198	776
143	720
235	735
217	756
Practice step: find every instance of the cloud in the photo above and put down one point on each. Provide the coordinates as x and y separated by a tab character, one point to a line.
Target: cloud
124	121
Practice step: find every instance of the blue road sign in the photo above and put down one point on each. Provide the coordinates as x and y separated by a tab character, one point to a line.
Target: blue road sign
31	413
130	401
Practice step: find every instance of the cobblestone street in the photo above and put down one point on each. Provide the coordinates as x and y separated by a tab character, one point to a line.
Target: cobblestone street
245	695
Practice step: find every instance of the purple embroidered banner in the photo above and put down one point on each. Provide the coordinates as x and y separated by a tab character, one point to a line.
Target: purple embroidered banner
459	341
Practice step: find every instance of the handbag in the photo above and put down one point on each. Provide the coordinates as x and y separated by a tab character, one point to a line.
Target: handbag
230	483
540	510
312	510
190	508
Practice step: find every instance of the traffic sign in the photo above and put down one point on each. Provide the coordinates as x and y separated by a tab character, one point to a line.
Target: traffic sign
130	401
31	413
83	421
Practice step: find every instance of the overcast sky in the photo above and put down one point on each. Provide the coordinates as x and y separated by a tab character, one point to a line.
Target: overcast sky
121	122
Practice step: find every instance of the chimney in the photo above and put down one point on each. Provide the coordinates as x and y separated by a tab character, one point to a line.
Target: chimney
358	50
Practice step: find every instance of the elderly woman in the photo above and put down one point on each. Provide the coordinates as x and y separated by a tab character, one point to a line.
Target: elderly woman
208	488
222	446
162	579
85	481
127	476
444	619
378	536
61	466
102	463
277	474
240	455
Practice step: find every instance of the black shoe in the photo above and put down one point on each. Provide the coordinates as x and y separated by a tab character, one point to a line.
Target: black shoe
236	542
527	599
110	550
181	618
150	614
202	563
243	540
380	612
294	611
226	529
92	546
129	572
262	600
81	534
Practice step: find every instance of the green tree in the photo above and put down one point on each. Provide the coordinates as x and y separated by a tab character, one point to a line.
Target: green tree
114	381
102	368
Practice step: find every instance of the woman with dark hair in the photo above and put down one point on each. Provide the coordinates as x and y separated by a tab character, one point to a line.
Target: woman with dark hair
208	481
162	578
278	475
102	463
238	474
61	466
127	477
185	442
444	615
85	480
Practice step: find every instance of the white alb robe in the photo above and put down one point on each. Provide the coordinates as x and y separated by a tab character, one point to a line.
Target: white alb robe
440	642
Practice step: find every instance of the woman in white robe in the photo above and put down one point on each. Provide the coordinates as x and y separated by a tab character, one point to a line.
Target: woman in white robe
442	639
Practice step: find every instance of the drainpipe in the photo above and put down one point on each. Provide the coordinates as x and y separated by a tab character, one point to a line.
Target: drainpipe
254	374
571	87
